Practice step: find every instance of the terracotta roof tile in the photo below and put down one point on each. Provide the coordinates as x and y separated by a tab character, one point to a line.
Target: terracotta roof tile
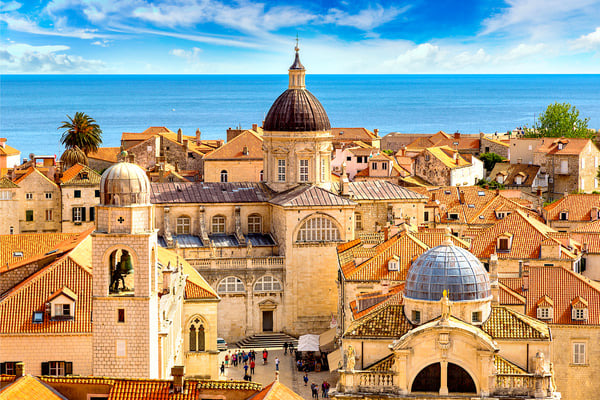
571	146
507	296
276	391
145	389
503	366
32	170
209	192
388	321
527	235
562	286
15	250
108	154
6	183
352	134
383	365
446	155
448	199
29	387
80	174
510	172
8	151
32	294
591	227
505	323
579	207
376	300
234	149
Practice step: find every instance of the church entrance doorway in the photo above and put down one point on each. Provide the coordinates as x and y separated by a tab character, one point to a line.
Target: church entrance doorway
455	378
267	319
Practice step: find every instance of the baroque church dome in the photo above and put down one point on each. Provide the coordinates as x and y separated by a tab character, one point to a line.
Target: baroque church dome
296	109
451	268
124	184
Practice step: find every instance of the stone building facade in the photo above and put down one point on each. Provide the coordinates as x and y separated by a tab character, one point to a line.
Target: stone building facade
80	192
9	206
40	207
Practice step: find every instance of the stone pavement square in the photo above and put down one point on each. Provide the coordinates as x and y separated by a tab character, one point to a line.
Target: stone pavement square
288	373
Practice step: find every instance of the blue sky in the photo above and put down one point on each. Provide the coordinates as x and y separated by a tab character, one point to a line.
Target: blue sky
246	36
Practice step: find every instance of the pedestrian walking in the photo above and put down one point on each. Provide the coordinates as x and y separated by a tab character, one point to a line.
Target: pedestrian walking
325	389
223	368
245	370
305	378
234	359
276	363
226	360
252	365
265	355
285	347
315	390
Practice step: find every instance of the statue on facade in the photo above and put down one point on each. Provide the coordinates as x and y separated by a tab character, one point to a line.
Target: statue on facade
446	306
350	358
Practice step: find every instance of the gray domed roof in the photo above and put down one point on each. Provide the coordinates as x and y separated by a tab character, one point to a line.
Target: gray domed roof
447	267
124	184
296	110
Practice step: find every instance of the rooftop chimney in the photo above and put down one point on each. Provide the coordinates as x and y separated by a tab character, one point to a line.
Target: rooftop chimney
186	144
519	160
19	369
3	142
255	127
456	135
198	137
494	279
177	372
179	136
461	196
376	132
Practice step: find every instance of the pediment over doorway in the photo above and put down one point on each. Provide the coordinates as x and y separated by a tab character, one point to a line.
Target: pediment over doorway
267	304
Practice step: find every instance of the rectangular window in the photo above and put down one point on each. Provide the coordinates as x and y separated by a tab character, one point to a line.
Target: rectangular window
254	224
503	244
579	353
77	194
384	165
349	158
564	166
564	216
78	214
8	368
48	195
544	313
38	317
281	170
358	221
96	193
62	310
5	195
28	196
426	216
92	213
303	171
57	368
121	315
29	215
476	316
416	316
323	169
374	166
579	314
218	224
49	215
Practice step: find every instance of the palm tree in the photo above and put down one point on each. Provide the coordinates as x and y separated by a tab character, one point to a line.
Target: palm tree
72	156
81	131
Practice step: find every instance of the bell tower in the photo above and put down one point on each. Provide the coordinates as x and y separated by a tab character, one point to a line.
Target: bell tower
125	293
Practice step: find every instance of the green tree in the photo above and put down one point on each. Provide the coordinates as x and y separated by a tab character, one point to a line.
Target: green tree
491	184
81	131
490	160
560	119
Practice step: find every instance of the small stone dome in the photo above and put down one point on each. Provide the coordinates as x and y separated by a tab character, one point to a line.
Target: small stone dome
447	267
124	184
297	110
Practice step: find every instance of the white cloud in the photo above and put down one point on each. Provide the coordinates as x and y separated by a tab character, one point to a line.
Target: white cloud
102	43
9	6
190	55
24	58
589	41
521	51
366	19
25	25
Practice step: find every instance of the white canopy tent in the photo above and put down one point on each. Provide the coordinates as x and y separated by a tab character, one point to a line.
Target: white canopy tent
308	343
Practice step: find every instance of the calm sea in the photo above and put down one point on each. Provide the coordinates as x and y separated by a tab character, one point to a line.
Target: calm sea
33	106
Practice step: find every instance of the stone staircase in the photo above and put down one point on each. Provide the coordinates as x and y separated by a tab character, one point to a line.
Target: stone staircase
266	340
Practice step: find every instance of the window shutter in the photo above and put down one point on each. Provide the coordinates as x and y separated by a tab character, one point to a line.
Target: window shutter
73	214
2	368
68	368
82	214
45	368
92	213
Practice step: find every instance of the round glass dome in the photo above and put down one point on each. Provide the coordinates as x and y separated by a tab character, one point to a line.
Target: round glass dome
124	184
447	267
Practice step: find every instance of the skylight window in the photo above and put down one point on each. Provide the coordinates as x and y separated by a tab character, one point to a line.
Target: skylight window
38	317
481	193
471	206
17	254
446	192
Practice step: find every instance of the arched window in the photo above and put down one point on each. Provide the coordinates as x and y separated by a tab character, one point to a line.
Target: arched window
224	176
218	224
183	225
318	229
197	342
267	284
121	272
231	284
254	223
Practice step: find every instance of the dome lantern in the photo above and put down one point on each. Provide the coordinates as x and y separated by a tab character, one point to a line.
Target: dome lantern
124	184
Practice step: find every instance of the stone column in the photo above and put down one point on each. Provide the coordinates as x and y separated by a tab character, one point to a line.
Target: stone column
443	378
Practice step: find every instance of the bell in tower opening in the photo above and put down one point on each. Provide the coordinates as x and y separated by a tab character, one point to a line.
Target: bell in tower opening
121	272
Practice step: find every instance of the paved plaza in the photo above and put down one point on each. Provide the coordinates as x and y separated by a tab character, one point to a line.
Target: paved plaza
288	373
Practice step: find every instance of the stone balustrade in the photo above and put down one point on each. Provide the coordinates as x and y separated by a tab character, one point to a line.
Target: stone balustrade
237	263
376	381
525	385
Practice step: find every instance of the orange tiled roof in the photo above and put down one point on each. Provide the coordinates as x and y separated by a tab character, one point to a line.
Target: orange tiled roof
488	214
379	299
509	297
528	235
196	287
589	242
31	245
579	207
8	151
276	391
74	176
234	149
28	387
108	154
505	323
503	366
205	146
32	294
571	146
142	389
562	286
352	134
383	365
591	227
510	172
388	321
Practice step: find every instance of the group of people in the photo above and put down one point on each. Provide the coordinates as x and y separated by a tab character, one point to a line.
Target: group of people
315	388
288	346
240	357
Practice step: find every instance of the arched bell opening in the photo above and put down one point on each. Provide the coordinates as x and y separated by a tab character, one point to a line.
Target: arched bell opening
120	265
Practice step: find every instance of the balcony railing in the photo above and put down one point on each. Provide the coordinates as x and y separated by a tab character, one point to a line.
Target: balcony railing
237	263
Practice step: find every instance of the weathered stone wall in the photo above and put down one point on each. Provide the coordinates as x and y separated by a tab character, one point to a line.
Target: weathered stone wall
88	200
177	153
9	211
488	146
432	169
146	152
237	170
38	186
